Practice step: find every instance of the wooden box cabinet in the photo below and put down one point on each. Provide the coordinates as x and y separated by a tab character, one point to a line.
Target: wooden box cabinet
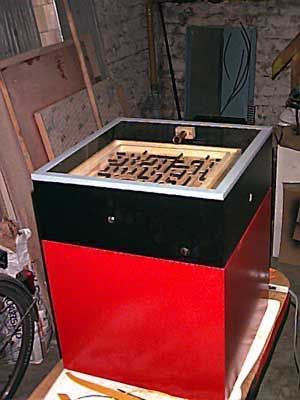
163	284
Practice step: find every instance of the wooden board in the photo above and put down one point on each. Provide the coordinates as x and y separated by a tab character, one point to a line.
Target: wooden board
28	55
17	178
163	163
67	122
19	187
37	82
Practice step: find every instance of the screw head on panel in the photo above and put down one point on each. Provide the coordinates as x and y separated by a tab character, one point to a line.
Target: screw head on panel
185	252
111	219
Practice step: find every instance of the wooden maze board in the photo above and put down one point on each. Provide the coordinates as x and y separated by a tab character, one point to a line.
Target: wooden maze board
162	163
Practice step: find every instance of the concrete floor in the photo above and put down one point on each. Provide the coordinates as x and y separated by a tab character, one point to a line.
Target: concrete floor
280	379
36	373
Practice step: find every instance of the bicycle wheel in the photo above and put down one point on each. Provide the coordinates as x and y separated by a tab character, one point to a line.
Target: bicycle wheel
16	334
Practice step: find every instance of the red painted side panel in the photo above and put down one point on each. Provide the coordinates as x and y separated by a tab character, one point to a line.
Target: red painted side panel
246	288
152	323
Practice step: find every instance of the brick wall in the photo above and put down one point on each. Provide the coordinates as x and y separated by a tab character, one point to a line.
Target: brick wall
124	35
277	22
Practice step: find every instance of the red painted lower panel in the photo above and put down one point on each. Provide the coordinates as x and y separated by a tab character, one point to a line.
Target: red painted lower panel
246	290
152	323
156	323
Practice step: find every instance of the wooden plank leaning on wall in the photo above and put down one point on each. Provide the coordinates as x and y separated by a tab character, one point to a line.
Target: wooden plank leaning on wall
18	187
17	178
83	66
34	83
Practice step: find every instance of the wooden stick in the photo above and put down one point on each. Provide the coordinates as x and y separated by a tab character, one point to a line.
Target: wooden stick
63	396
115	394
285	56
15	123
44	135
295	78
35	53
82	62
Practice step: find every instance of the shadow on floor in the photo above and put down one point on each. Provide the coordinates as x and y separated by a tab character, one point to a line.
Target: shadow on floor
36	373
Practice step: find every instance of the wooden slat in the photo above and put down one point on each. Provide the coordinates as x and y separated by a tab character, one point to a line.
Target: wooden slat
44	136
83	65
286	56
63	396
17	179
29	55
295	79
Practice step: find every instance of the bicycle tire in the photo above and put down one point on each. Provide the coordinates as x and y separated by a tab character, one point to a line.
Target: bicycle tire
14	297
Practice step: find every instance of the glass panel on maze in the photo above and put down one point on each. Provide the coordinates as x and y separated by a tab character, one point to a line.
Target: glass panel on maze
183	165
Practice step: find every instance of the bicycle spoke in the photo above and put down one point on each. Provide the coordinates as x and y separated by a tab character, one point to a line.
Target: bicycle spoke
16	335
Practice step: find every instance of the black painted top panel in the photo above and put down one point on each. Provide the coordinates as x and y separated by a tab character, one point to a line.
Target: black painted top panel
132	222
195	230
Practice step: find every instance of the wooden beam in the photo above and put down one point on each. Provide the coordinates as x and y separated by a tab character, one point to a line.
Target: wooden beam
286	56
15	123
29	55
295	78
44	136
83	65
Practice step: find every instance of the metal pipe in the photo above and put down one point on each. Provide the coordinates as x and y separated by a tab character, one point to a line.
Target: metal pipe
169	56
